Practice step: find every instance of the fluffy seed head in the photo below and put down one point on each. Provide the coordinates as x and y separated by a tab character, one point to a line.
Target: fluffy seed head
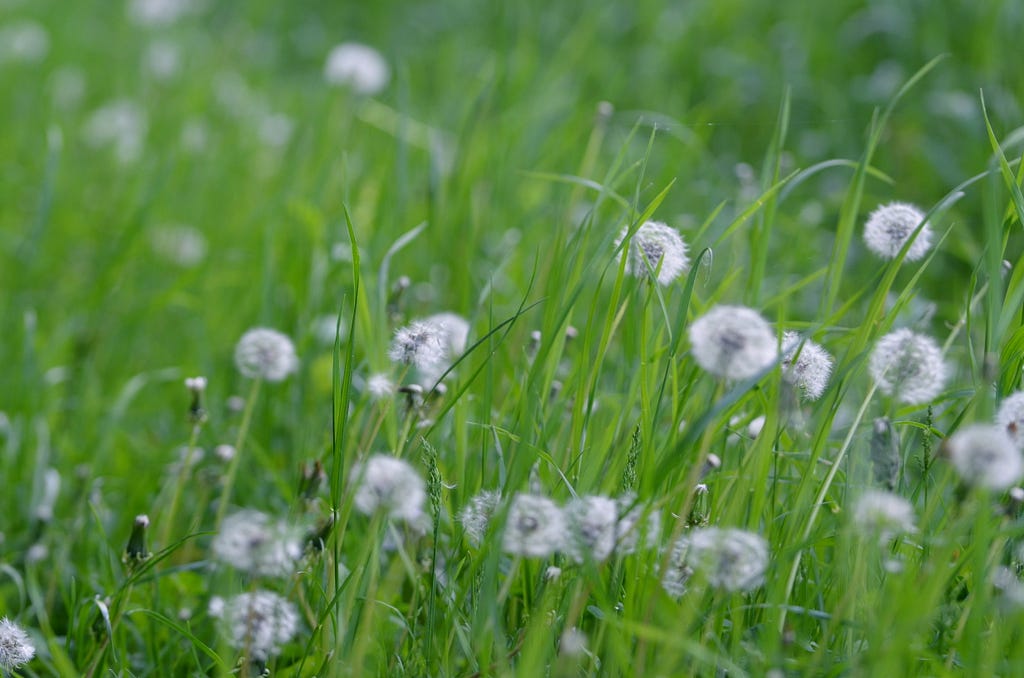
908	366
890	226
420	344
476	515
1010	418
535	527
259	622
805	365
15	646
380	386
263	353
358	66
598	526
985	456
384	483
730	559
883	514
454	331
253	542
656	244
734	342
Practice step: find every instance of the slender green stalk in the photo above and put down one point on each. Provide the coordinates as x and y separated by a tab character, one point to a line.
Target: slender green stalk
232	473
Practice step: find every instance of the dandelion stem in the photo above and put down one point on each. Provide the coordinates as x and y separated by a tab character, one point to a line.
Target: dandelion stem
243	430
186	466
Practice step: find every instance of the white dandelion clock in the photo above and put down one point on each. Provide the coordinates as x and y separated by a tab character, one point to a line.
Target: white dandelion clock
420	344
984	456
23	41
592	528
390	485
655	247
380	386
726	558
260	622
535	527
267	354
253	542
1010	418
805	365
733	342
633	531
453	330
360	67
15	646
476	515
883	514
890	226
120	125
908	366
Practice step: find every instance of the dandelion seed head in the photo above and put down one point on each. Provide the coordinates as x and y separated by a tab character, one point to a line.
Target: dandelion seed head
890	226
263	353
380	386
1010	418
655	243
454	331
16	647
1009	585
476	515
23	41
421	344
253	542
805	365
391	485
357	66
883	514
592	523
985	456
535	527
733	342
260	622
121	125
179	244
728	558
572	643
908	366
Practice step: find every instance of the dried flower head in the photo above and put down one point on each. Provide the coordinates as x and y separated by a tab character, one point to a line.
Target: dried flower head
659	246
259	622
734	342
263	353
805	365
384	483
908	366
985	456
727	558
890	226
358	66
253	542
535	527
15	646
420	344
883	514
476	515
1010	417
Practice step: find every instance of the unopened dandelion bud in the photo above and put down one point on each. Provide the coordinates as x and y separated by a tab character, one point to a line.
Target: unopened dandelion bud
16	647
890	226
136	552
885	453
313	478
196	387
908	366
733	342
658	248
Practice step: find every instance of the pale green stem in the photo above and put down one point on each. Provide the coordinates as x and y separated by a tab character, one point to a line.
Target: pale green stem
243	430
186	466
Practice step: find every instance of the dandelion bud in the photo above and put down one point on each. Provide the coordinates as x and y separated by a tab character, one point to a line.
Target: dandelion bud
359	67
263	353
15	646
805	365
908	366
535	528
136	552
885	453
985	456
890	226
1010	418
657	247
733	342
196	386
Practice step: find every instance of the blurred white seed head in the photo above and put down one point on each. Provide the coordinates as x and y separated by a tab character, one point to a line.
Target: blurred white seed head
883	514
162	59
420	344
1010	418
572	643
733	342
805	365
67	87
1009	586
592	523
253	542
476	515
23	41
48	498
890	226
260	622
16	647
195	384
358	66
908	366
659	245
263	353
159	12
380	386
120	125
985	456
179	244
225	452
391	485
454	331
535	527
727	558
